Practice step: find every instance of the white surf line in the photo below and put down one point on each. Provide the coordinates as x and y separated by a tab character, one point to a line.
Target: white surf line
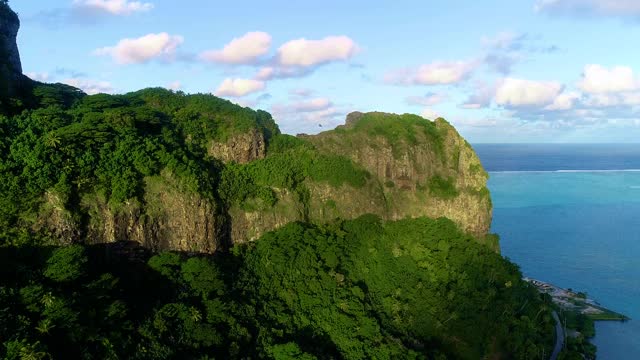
561	171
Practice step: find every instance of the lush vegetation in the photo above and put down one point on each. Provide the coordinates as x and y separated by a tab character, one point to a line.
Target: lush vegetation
69	144
290	163
581	329
357	289
442	188
398	130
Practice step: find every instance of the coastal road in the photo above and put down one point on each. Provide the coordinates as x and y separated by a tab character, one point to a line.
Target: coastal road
559	337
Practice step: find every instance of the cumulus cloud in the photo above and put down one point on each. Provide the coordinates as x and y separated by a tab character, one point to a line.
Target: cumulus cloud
175	86
436	73
512	92
247	49
313	105
270	72
143	49
38	76
239	87
91	87
564	101
475	123
599	79
429	114
307	106
306	53
589	7
602	100
429	99
308	115
113	7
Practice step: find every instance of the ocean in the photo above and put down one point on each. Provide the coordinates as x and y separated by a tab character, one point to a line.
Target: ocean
570	215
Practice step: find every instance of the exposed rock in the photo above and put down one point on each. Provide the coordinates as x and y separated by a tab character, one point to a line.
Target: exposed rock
55	220
404	168
168	219
10	65
399	187
241	148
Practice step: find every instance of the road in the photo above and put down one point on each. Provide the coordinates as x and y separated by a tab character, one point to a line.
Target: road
559	337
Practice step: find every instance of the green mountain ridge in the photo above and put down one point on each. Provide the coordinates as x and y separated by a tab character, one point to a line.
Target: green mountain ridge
194	172
162	225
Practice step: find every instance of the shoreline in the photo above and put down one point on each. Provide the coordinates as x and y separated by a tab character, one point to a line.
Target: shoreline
575	327
576	302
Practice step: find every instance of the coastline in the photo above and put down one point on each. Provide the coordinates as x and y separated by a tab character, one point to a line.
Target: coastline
576	302
575	326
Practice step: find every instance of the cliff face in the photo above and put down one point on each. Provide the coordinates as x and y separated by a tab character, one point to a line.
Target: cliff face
10	65
241	148
407	156
418	168
168	218
408	167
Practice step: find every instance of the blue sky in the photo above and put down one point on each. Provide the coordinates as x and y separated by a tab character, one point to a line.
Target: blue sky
499	70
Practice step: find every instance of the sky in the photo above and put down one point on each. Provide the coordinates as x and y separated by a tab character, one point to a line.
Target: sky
499	70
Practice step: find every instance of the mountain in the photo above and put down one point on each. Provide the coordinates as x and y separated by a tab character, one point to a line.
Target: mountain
162	225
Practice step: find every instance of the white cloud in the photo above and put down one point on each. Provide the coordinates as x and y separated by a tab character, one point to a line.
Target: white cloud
474	123
429	99
175	86
429	114
307	106
42	77
564	101
312	105
91	87
114	7
436	73
590	7
309	116
306	53
246	49
143	49
599	79
603	100
282	72
324	116
239	87
266	73
513	92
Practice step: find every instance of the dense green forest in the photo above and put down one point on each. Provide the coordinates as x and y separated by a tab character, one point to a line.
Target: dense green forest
360	289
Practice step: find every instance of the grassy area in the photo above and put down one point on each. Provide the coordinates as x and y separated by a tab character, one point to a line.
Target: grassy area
607	315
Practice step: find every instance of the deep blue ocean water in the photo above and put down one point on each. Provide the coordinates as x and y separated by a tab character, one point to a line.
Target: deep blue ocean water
565	220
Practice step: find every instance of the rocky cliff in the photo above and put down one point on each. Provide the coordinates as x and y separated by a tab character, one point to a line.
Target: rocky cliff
10	65
197	173
418	168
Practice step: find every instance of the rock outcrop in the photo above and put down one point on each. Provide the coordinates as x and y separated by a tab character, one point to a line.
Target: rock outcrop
241	148
403	168
168	218
414	167
10	65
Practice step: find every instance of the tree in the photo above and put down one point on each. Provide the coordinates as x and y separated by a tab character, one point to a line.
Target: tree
66	264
